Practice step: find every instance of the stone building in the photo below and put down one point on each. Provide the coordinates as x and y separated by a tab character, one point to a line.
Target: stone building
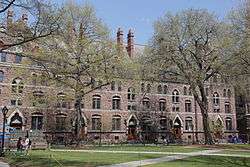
123	111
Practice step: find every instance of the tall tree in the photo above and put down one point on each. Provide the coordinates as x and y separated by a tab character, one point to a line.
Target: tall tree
190	46
16	32
81	56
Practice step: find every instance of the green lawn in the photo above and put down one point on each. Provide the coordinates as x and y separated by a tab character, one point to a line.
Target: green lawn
159	148
235	152
206	161
44	159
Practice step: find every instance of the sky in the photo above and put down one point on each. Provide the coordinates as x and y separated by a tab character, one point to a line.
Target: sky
140	15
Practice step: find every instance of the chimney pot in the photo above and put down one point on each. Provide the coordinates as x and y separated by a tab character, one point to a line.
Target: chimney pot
130	43
119	37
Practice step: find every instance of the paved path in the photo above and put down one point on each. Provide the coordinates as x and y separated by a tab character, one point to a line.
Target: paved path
159	160
3	164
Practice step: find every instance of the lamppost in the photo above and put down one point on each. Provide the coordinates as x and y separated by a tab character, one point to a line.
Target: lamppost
4	111
100	135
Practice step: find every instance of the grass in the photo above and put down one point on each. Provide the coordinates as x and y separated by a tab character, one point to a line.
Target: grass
235	152
206	161
148	148
46	158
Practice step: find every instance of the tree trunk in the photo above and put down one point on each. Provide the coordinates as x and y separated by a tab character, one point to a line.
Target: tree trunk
78	123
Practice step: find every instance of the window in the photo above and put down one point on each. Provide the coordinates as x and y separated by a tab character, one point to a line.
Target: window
116	122
216	99
96	122
3	57
1	76
116	103
163	123
142	87
16	102
61	101
37	122
159	89
132	107
162	105
215	79
131	94
188	107
113	85
248	108
96	102
175	96
175	109
228	123
189	91
146	103
165	89
18	59
229	94
148	88
61	122
185	90
189	124
34	79
17	86
227	107
119	86
39	98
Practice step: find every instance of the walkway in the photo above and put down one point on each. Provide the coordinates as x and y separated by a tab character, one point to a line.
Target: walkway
3	164
162	159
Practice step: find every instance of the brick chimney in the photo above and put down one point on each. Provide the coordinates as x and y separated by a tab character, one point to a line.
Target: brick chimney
130	43
119	37
25	18
10	14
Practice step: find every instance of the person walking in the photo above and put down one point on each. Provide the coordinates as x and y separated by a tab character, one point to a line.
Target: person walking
19	145
27	145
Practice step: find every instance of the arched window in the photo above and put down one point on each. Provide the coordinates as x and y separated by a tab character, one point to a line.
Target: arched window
37	121
175	96
96	122
159	89
188	107
1	76
96	102
113	85
116	103
16	121
148	88
131	94
17	85
165	89
229	94
185	90
163	123
116	122
146	103
142	87
228	123
189	124
119	85
224	92
216	99
162	105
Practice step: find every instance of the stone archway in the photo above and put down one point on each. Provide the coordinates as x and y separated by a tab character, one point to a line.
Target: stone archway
16	121
132	128
177	128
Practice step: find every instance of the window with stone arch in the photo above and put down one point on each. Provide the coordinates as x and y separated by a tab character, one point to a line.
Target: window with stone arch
116	103
96	122
159	89
116	122
131	94
37	121
224	93
142	87
162	105
17	85
228	123
146	103
1	76
96	102
175	96
61	100
216	99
